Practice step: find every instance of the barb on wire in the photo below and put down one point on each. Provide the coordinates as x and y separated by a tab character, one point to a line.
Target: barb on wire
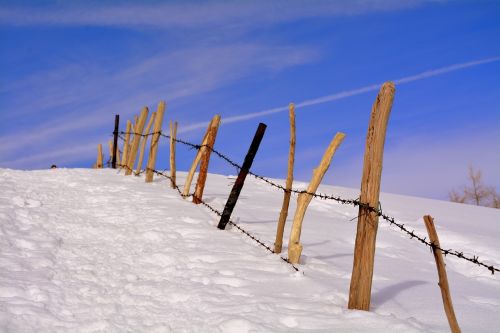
353	202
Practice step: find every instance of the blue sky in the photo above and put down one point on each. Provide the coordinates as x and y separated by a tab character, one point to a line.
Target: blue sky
67	67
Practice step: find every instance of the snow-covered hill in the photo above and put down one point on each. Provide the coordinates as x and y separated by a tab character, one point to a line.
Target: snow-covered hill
95	251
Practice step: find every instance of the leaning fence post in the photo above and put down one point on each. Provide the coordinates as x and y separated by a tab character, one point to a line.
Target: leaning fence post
126	144
206	151
99	157
238	184
278	243
366	234
294	246
443	279
143	143
173	135
154	142
134	147
115	140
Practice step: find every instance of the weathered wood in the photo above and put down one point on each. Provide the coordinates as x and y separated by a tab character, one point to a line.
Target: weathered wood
238	184
114	150
173	135
278	243
134	147
294	246
366	234
143	143
206	151
100	158
126	144
197	159
443	278
155	142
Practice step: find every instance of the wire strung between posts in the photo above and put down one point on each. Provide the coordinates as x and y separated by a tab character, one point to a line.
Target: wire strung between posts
218	213
353	202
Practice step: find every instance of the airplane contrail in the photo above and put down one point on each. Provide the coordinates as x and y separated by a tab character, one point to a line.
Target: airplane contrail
345	94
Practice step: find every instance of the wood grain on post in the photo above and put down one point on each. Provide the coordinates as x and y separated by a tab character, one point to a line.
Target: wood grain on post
134	147
278	243
173	135
366	234
126	144
206	151
143	143
197	159
443	278
98	164
154	142
294	246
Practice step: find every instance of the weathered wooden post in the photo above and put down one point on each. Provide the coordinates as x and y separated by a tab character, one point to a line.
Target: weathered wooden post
238	184
278	243
366	234
115	141
173	135
154	142
207	150
143	143
126	144
294	246
443	278
134	147
99	164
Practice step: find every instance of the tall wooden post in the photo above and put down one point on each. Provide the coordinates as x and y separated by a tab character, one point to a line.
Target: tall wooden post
294	246
143	143
154	142
206	151
238	184
126	144
366	234
134	147
173	135
278	243
443	278
99	163
115	141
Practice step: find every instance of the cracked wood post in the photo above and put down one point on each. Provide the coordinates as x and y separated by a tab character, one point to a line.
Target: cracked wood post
196	161
98	164
238	184
366	234
278	243
134	147
143	143
207	150
443	279
126	145
114	148
173	136
154	142
294	246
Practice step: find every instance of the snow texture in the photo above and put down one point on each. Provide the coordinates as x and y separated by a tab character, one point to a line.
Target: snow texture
95	251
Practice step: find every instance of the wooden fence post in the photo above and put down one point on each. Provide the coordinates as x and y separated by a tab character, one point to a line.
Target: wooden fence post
143	143
366	234
154	142
238	184
443	279
207	150
126	144
294	246
278	243
115	142
173	135
134	147
197	159
99	157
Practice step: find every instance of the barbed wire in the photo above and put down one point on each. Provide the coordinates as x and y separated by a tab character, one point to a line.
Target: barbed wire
217	212
353	202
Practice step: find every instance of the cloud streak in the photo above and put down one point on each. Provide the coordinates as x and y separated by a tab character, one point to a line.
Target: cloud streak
347	93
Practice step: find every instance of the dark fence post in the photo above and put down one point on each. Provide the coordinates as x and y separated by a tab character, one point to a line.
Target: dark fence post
115	142
238	184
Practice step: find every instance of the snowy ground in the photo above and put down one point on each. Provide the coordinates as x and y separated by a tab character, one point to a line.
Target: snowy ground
95	251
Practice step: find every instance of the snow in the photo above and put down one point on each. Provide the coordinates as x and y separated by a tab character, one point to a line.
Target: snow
94	251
